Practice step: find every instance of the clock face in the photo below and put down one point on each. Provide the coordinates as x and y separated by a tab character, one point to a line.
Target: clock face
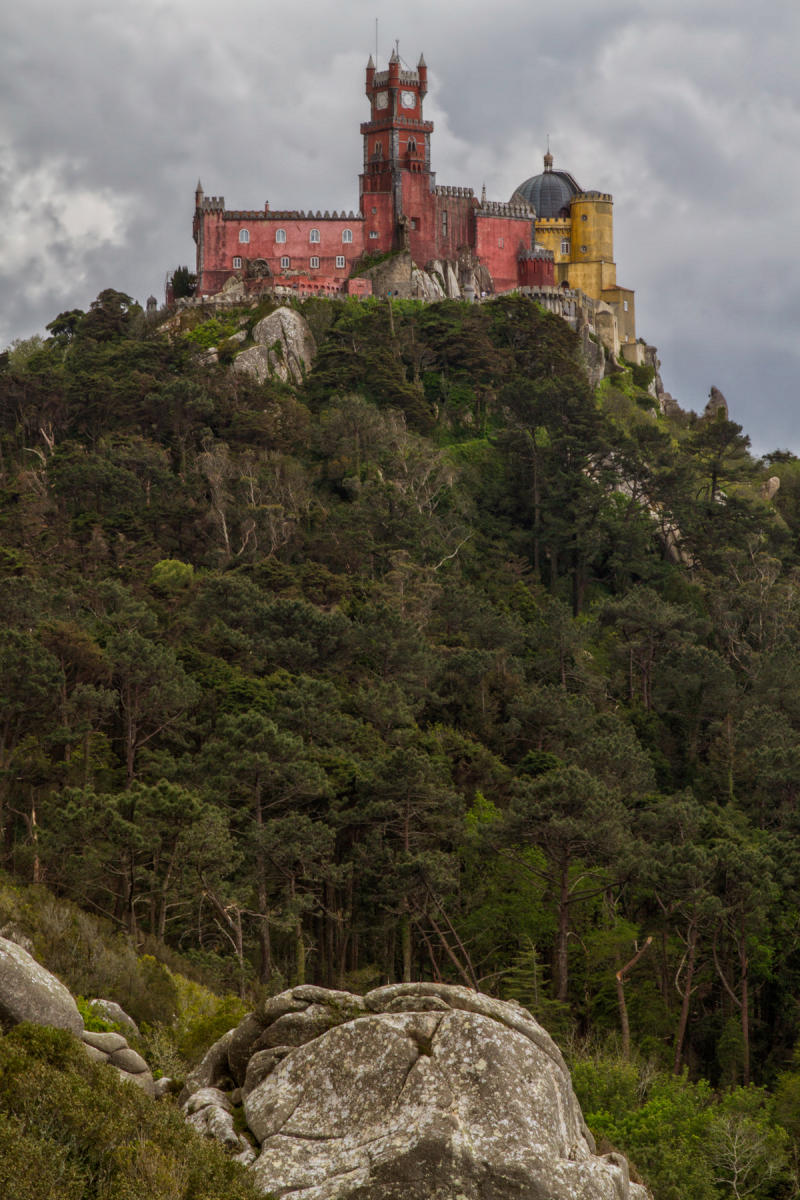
408	99
382	100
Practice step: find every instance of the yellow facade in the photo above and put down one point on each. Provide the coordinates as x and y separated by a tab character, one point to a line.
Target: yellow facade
583	247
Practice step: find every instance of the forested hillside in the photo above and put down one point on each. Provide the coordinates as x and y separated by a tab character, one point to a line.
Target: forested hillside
436	665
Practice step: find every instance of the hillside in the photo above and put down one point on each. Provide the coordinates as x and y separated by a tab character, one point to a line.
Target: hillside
435	664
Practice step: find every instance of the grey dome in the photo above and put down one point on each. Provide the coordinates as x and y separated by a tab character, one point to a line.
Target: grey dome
551	192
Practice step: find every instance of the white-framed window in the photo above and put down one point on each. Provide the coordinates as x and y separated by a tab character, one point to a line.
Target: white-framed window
285	262
280	235
347	235
313	262
340	263
565	245
237	263
374	234
314	235
244	236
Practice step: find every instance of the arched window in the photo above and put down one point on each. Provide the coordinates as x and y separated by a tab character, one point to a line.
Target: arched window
285	262
412	145
280	235
244	236
237	263
314	235
378	150
347	235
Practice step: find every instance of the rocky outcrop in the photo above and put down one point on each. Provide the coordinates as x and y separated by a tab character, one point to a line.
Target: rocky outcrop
284	348
420	1091
717	405
107	1010
28	992
112	1048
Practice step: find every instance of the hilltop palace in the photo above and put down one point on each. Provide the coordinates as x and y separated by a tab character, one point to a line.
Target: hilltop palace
412	237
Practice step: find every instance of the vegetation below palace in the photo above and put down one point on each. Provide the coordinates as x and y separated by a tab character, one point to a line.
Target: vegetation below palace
393	674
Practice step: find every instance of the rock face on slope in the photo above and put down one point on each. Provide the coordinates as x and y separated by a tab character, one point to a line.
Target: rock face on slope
414	1091
284	348
28	992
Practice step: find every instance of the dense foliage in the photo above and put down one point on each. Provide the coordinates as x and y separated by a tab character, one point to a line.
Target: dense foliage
434	665
72	1130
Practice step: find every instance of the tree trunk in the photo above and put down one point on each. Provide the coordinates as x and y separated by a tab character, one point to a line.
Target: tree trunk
686	999
405	941
562	934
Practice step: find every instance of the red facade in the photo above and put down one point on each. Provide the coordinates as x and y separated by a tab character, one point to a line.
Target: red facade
401	207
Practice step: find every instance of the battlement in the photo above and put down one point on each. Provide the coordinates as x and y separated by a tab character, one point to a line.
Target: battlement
383	77
213	204
500	208
460	192
371	126
539	253
606	196
290	215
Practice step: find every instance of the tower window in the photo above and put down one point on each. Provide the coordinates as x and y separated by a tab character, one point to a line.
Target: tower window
584	217
444	224
412	145
285	262
314	235
565	245
280	235
347	235
244	236
501	242
625	305
237	263
313	262
340	261
583	249
374	233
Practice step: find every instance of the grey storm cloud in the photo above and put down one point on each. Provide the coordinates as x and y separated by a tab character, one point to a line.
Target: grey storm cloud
689	113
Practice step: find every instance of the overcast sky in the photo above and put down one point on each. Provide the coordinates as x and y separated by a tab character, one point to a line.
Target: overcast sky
688	111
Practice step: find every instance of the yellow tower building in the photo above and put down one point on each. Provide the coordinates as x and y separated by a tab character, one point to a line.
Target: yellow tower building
578	227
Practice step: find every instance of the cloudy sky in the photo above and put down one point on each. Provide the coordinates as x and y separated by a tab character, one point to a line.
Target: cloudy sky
688	111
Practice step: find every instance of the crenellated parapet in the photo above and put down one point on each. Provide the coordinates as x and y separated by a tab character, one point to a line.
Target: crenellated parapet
290	215
463	193
500	208
537	254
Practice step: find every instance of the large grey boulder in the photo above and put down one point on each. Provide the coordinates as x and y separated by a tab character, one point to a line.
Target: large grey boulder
284	348
28	992
425	1092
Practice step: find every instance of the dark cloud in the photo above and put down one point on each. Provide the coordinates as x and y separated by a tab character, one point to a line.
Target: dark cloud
686	111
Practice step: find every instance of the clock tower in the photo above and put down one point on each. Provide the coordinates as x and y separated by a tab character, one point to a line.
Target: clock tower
397	183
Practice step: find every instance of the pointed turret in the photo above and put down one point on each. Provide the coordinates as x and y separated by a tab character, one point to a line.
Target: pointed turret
370	75
198	195
422	69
